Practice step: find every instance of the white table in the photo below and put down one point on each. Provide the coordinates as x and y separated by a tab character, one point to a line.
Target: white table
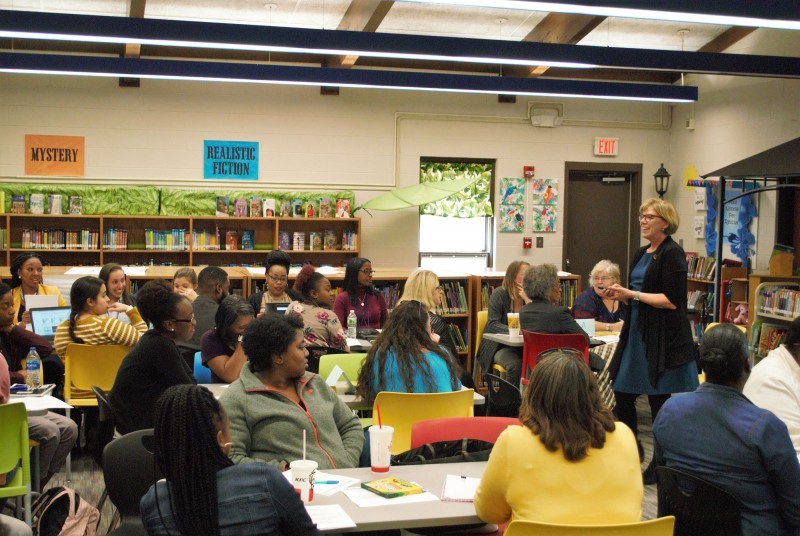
505	338
354	402
39	405
408	516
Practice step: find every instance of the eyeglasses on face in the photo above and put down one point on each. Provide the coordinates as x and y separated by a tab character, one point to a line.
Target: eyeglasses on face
276	279
603	278
649	217
367	272
187	320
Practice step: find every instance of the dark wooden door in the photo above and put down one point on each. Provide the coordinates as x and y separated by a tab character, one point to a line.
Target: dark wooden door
600	223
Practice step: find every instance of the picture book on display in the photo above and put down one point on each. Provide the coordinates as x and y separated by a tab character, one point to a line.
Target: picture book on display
248	239
37	204
325	209
18	204
56	204
312	208
240	207
255	206
269	207
330	239
392	487
298	208
284	240
222	205
232	240
342	208
286	208
75	204
315	241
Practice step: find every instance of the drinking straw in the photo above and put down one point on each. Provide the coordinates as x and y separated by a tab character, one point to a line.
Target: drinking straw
304	445
378	411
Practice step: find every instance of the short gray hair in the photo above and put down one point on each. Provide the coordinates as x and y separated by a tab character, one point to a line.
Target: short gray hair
540	279
611	268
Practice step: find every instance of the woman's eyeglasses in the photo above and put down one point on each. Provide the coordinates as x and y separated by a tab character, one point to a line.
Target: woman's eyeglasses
187	320
275	279
604	278
649	217
367	272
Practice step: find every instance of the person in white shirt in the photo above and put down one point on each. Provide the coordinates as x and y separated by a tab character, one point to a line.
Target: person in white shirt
774	383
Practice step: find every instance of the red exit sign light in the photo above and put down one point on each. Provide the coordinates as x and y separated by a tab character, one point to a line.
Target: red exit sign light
606	146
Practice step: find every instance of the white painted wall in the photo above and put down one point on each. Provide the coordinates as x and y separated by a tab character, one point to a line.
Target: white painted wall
370	141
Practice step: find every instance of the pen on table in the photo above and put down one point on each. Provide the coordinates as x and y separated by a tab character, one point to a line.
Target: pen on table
326	482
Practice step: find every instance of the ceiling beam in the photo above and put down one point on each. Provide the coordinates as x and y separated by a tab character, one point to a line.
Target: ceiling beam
133	50
723	42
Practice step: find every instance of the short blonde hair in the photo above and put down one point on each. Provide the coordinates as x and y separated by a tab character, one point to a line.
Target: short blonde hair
420	286
611	268
665	210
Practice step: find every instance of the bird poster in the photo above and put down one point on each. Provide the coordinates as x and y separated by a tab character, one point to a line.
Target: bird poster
512	218
544	191
543	219
512	191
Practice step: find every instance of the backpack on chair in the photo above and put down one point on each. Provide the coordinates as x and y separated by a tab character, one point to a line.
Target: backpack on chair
59	511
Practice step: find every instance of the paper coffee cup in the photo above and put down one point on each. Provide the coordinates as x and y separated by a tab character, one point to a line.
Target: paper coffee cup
380	448
513	324
303	472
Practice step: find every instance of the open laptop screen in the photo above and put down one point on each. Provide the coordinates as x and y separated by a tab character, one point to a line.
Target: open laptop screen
46	319
278	308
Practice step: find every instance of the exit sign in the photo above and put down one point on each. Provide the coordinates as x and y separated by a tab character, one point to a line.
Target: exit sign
606	146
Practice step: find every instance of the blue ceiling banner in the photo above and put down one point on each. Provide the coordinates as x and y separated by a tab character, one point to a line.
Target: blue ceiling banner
230	160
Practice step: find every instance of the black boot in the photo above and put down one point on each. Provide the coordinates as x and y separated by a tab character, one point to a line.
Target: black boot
649	474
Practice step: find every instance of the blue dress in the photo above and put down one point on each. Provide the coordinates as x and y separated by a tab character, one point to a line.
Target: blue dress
633	373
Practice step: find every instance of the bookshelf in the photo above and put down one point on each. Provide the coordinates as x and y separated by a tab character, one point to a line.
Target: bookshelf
754	281
776	304
700	295
168	240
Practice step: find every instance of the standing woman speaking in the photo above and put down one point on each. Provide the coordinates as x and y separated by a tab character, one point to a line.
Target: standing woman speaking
656	354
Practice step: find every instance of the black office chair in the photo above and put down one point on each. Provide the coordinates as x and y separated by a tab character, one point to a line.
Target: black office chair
700	508
129	470
503	398
316	352
104	433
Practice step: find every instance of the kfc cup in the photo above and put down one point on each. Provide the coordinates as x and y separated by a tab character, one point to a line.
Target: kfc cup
513	324
303	472
380	448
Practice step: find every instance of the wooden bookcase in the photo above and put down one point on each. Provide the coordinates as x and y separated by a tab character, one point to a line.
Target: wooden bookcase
266	232
703	312
774	303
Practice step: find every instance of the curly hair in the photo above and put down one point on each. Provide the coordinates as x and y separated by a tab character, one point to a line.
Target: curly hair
724	356
406	336
279	258
540	280
562	406
17	263
268	336
307	280
157	303
187	420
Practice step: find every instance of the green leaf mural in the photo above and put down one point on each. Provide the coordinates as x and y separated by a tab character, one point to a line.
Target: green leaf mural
472	202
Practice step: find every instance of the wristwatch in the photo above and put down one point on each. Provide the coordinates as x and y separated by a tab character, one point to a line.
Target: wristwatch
636	296
608	327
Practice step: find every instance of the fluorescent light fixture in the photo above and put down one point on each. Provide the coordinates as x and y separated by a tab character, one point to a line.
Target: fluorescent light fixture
158	32
749	13
53	64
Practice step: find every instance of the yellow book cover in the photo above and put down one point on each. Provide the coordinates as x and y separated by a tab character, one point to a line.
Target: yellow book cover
392	487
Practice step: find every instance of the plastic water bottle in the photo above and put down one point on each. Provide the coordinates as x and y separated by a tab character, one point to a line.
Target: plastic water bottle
352	323
33	366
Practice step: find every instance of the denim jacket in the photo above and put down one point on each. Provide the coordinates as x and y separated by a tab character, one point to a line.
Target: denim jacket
253	498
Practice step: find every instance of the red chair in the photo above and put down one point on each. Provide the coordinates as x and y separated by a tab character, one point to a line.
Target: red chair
535	343
482	428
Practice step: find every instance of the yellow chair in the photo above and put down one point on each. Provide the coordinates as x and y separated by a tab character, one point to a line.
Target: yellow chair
87	365
401	410
663	526
14	452
349	363
481	319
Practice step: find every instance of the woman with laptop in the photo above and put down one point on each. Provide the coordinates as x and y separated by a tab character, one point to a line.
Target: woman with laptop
27	280
276	288
86	323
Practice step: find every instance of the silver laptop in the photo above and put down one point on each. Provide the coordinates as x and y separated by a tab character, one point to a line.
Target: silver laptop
587	325
45	320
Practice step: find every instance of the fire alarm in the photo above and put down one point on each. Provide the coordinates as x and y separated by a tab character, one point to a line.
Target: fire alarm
528	171
527	242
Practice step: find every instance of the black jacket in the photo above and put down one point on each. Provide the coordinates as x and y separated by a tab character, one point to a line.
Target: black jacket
666	333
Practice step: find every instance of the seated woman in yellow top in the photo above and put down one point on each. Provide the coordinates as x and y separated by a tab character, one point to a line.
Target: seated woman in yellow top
85	325
26	279
569	463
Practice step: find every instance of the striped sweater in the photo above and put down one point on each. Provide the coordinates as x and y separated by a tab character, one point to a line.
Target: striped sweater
96	330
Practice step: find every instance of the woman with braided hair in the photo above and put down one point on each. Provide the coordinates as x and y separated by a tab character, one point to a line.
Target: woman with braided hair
203	491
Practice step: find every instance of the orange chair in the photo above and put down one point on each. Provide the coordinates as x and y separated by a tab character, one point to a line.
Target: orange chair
482	428
534	343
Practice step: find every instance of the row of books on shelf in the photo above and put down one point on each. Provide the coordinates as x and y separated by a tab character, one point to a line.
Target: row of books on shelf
114	239
44	204
698	327
458	336
699	300
454	298
257	207
328	240
700	267
59	239
166	240
569	291
780	301
765	337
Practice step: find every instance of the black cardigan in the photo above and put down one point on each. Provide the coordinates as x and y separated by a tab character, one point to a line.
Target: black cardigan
666	333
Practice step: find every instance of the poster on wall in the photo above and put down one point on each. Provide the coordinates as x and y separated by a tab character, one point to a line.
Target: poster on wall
230	160
543	219
512	218
54	155
737	214
544	191
512	191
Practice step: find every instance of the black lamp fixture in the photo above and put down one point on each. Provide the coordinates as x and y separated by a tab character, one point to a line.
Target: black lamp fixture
662	181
